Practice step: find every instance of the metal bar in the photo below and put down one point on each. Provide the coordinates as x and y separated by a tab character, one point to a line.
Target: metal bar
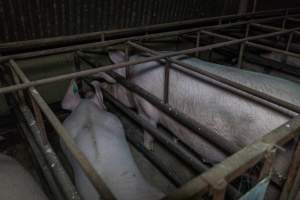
243	46
267	167
172	145
42	162
219	190
118	41
254	6
197	43
119	65
166	83
39	121
285	19
59	172
12	102
240	161
92	174
260	46
192	124
294	166
296	185
244	88
268	27
80	38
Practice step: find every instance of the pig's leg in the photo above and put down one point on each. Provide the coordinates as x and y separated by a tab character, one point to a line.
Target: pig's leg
150	114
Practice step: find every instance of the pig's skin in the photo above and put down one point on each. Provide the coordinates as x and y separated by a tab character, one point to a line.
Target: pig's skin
16	183
235	118
100	136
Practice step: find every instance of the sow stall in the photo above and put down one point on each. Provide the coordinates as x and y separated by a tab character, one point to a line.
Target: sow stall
30	107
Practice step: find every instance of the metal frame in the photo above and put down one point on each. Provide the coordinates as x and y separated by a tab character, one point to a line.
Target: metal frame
215	179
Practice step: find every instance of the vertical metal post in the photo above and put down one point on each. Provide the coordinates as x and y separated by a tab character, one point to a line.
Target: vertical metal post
166	82
285	19
102	37
267	167
242	48
254	6
40	121
294	166
127	58
285	57
211	50
219	190
198	43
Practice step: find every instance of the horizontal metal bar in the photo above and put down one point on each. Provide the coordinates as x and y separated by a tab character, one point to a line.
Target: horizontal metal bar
119	65
236	85
40	153
239	162
268	27
260	46
86	37
190	123
86	166
121	40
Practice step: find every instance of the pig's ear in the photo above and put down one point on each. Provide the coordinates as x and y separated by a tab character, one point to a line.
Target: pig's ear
107	78
72	98
117	56
98	96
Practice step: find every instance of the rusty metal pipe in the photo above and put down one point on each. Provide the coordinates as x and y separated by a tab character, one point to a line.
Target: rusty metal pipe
216	140
121	40
233	84
86	37
86	166
119	65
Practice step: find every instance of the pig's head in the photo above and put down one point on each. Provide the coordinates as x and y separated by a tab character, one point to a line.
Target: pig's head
90	91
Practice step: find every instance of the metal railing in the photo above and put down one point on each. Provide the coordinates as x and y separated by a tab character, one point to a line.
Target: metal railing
218	177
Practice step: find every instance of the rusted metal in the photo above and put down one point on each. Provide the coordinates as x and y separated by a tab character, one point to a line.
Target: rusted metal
226	81
233	166
192	124
119	65
243	46
219	189
37	152
124	39
92	174
296	185
166	82
197	43
267	167
294	166
172	145
85	37
240	161
39	121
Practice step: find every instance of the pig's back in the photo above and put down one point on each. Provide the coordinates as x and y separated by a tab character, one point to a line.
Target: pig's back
16	183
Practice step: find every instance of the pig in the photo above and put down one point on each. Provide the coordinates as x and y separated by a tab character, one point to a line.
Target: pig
235	118
100	136
16	183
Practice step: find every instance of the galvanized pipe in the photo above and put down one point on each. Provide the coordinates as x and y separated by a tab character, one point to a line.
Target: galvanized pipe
86	166
119	65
